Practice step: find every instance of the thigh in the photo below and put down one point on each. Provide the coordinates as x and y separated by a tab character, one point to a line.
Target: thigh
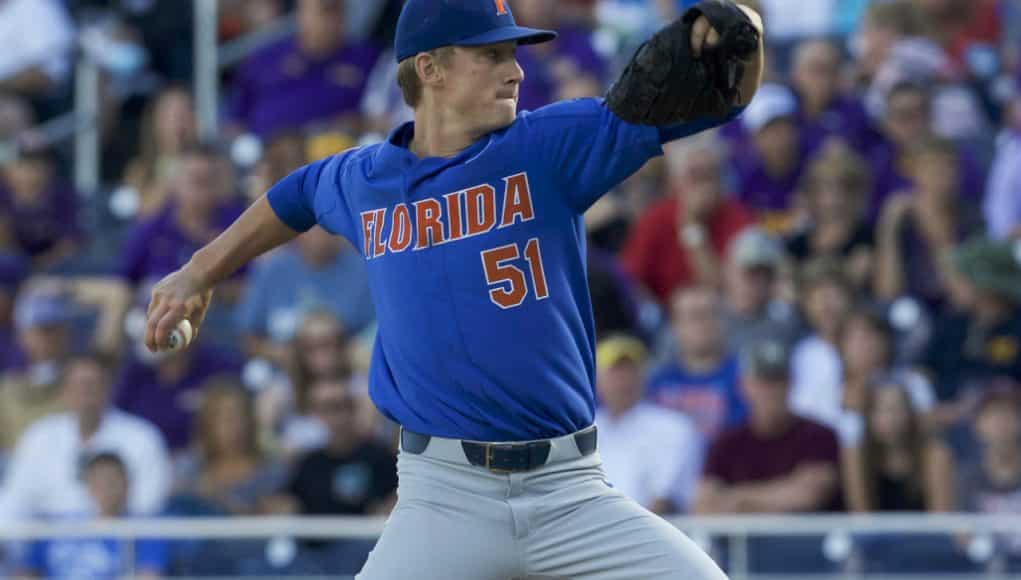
439	530
610	537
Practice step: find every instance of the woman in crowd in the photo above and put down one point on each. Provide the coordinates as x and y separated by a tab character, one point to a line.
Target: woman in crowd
168	127
897	466
227	471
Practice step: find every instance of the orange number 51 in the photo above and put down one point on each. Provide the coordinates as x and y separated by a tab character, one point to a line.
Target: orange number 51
512	288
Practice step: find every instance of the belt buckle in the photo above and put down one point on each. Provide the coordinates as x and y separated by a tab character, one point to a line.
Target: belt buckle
489	459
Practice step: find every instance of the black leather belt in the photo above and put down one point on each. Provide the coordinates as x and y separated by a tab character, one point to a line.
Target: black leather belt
504	457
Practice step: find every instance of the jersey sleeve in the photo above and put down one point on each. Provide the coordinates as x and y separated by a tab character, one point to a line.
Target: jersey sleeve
312	195
588	148
592	150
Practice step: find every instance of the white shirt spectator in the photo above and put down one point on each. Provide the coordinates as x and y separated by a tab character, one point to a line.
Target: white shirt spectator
36	33
1003	194
817	390
43	479
651	453
787	20
816	380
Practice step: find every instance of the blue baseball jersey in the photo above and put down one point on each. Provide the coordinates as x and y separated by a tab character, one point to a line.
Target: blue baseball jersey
476	265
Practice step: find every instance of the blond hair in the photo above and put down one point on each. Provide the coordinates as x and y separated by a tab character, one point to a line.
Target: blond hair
407	74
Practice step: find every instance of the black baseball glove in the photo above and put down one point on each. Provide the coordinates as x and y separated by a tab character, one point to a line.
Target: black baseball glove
665	83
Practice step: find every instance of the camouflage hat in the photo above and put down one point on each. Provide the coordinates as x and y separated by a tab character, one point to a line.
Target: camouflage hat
991	265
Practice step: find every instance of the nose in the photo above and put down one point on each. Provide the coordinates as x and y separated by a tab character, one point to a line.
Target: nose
517	74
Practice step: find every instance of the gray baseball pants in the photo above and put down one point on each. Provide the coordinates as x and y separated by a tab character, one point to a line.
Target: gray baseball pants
456	521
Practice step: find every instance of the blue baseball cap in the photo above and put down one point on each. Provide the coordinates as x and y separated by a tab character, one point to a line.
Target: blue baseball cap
426	25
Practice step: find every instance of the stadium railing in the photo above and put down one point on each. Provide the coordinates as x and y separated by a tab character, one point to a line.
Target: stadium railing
749	547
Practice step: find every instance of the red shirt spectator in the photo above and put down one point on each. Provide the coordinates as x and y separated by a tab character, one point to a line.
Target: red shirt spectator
657	253
682	240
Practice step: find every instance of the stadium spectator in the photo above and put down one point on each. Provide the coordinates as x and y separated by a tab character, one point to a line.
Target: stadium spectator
896	466
769	169
193	216
168	130
776	461
826	297
109	487
350	475
824	110
989	482
702	380
319	271
44	475
754	307
226	471
38	212
318	67
566	68
868	351
680	240
916	230
650	454
906	124
166	388
31	390
318	351
835	189
983	341
40	37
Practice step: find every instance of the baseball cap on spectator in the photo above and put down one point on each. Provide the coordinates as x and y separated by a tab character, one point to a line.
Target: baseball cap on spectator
991	265
755	248
426	25
616	349
42	308
767	357
772	102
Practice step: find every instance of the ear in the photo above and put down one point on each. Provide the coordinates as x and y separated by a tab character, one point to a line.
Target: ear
429	70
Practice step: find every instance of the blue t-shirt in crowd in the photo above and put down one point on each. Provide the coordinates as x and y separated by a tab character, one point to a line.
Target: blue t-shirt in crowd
285	287
712	400
94	558
476	265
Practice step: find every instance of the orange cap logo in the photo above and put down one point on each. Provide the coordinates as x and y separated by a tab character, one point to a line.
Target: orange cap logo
501	7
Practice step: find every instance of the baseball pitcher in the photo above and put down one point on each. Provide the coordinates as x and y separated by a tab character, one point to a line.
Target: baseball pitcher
469	219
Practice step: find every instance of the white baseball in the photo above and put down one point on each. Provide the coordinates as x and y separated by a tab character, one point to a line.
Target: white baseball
180	337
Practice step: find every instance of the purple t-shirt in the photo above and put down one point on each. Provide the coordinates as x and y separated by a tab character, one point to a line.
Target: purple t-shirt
572	53
763	192
171	406
157	246
844	118
889	179
280	87
39	227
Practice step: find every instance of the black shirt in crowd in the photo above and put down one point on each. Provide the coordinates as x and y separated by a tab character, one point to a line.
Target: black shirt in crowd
328	484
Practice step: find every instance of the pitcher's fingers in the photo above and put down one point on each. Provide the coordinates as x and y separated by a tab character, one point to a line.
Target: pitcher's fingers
699	30
151	319
166	324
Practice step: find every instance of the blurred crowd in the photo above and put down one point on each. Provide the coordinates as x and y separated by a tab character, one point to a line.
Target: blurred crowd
815	308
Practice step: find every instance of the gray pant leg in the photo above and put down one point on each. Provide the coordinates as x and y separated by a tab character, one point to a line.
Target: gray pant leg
582	529
450	522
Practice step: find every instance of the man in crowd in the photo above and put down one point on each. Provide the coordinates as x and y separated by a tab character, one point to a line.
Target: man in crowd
776	461
44	473
702	381
682	240
651	454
